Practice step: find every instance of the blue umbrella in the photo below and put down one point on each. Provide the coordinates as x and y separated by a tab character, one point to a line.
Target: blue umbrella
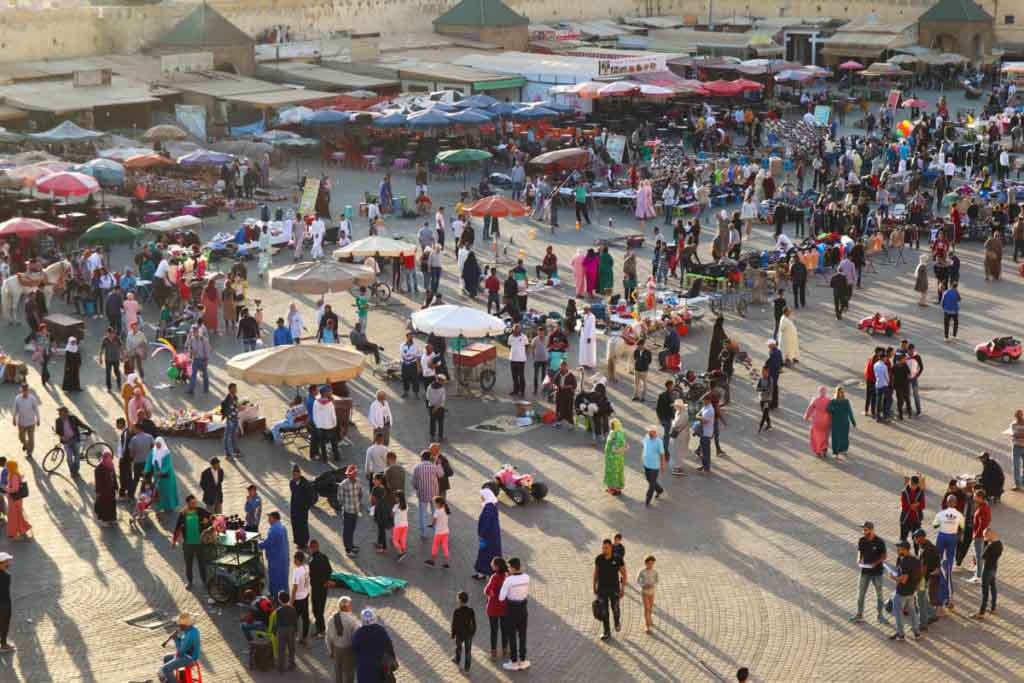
534	113
106	171
484	112
506	108
327	117
468	118
394	119
277	136
204	157
430	118
481	101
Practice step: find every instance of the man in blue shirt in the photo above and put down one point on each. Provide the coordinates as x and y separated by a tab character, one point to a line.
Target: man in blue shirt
282	335
774	365
654	463
186	649
951	310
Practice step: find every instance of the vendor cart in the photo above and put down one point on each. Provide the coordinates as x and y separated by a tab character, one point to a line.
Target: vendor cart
729	298
234	564
475	363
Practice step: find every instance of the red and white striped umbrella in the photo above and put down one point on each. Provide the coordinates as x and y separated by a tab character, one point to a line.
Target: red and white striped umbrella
67	184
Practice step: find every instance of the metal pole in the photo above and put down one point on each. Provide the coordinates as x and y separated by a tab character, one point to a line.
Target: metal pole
711	18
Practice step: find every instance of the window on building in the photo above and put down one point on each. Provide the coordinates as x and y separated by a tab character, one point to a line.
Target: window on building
1009	19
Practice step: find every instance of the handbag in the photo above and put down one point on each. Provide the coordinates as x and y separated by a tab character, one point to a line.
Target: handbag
22	491
600	609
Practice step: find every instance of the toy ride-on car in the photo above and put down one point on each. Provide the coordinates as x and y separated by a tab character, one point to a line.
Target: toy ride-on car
519	487
1006	349
878	324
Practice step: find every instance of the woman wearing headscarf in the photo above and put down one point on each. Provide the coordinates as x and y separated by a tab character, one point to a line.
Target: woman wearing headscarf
131	383
615	459
471	275
590	265
993	256
921	279
17	525
159	465
373	650
266	250
138	405
605	271
718	338
211	306
821	422
295	325
106	489
679	437
579	273
488	530
842	417
645	204
72	366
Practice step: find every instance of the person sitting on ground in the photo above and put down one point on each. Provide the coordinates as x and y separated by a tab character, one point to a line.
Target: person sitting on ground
359	340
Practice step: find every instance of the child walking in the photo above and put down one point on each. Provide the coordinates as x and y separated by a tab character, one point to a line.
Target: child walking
463	628
440	524
400	513
648	580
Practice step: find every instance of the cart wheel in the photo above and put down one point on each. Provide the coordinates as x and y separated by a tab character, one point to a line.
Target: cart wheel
982	356
53	459
93	453
539	490
889	332
518	496
487	379
741	308
1005	358
382	291
220	589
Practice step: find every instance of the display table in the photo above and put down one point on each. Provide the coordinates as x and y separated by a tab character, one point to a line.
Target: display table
196	210
63	326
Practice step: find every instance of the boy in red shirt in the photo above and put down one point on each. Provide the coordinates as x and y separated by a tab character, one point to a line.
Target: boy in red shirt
493	286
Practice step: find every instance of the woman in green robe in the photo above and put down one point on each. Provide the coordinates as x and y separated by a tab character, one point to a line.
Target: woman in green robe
615	459
842	417
605	272
159	465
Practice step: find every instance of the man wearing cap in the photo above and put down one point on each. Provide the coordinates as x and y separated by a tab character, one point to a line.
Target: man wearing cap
909	568
325	420
930	568
870	556
350	495
5	601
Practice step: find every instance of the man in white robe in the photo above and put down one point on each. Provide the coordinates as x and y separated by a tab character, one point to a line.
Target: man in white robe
317	231
588	339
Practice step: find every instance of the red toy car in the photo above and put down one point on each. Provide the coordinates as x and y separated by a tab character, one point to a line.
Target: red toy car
1006	349
877	324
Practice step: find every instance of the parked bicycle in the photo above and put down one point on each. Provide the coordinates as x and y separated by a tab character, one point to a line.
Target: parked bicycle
90	449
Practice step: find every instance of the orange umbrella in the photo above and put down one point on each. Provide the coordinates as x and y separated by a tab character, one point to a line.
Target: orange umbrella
499	206
147	161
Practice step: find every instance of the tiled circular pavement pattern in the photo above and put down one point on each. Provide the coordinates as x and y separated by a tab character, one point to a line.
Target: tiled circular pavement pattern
756	562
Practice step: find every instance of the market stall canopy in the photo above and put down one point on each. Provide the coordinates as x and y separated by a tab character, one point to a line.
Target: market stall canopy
482	101
165	132
204	157
172	224
462	156
722	88
28	175
327	117
32	157
468	117
562	159
319	277
452	321
914	103
393	119
9	137
109	232
122	154
506	108
67	184
148	161
26	228
294	115
794	76
851	66
534	114
618	89
374	245
242	148
273	136
106	171
66	131
429	118
298	365
496	205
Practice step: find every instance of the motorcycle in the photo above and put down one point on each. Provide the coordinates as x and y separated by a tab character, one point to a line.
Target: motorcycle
519	487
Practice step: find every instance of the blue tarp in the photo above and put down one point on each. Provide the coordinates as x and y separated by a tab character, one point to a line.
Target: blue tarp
429	119
67	130
534	113
250	129
203	157
395	119
468	117
327	117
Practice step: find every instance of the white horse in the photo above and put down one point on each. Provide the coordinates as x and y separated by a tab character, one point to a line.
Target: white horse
57	276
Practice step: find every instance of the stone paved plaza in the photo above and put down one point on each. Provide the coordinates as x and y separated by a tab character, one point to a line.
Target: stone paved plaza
757	563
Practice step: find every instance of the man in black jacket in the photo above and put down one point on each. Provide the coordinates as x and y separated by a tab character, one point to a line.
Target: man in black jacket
69	429
779	303
302	500
319	581
211	481
901	385
665	412
838	284
930	567
798	275
248	330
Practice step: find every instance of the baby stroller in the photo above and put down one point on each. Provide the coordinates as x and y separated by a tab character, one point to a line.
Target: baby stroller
148	497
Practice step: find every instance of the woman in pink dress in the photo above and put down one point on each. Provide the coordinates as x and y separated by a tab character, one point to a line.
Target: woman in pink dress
821	422
644	203
580	273
17	525
211	306
590	263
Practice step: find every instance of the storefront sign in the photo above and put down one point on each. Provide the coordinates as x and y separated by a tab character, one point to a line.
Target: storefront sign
556	34
629	65
307	206
616	146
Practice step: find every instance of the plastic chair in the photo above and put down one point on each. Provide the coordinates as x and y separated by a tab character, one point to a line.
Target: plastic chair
185	675
271	632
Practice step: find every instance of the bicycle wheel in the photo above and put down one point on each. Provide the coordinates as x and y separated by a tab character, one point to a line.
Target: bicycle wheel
382	291
220	589
94	451
53	459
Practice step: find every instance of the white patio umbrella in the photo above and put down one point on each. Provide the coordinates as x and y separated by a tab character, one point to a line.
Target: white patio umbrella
451	321
373	245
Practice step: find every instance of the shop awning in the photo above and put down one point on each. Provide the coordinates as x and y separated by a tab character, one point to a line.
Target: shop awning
863	44
502	84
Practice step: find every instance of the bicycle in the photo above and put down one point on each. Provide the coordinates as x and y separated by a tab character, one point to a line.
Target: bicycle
90	450
378	291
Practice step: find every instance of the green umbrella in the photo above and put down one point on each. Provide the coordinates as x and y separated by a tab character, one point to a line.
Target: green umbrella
109	232
462	156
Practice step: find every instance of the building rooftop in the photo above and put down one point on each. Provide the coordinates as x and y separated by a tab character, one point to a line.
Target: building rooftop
205	27
956	10
482	14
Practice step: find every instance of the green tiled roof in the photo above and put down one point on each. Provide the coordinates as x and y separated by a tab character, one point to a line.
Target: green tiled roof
482	13
956	10
205	27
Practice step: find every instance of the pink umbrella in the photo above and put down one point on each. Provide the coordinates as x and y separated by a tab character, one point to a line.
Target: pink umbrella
851	66
28	175
68	184
914	103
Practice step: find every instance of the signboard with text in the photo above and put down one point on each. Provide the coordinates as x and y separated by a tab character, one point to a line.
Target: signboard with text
629	65
616	146
307	205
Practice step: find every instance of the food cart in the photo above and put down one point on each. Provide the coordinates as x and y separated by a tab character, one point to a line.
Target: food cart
475	363
234	565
